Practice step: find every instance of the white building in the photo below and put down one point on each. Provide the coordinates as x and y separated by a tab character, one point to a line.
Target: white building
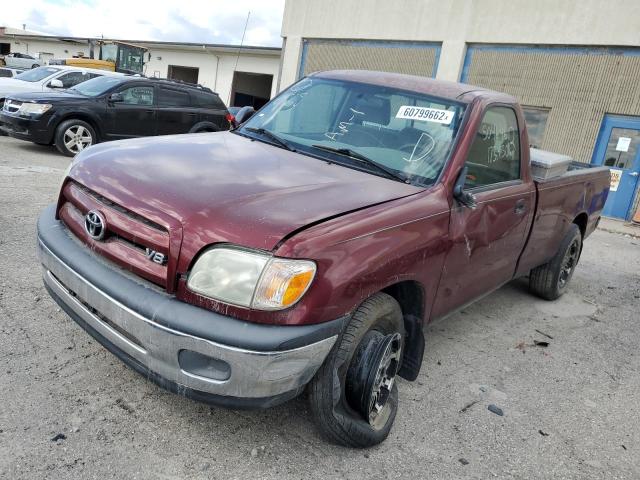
574	65
253	81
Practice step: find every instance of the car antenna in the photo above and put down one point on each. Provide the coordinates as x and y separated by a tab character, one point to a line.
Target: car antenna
238	56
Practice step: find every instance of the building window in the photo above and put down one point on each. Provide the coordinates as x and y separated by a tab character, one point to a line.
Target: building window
536	119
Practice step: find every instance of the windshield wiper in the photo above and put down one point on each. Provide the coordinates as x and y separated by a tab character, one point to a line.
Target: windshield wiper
272	136
347	152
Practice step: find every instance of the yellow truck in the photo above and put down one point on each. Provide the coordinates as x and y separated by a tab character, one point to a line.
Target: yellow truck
113	56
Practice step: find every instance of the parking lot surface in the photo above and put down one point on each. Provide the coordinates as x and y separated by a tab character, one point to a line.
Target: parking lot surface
69	409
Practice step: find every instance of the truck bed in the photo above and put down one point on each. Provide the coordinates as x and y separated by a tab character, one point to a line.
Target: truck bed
578	196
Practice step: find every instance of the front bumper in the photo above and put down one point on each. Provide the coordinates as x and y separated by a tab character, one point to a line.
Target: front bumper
183	348
30	129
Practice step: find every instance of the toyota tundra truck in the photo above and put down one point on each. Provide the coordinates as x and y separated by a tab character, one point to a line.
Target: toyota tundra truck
308	248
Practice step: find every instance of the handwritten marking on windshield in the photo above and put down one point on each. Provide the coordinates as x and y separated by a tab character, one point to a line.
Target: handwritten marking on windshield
343	127
423	152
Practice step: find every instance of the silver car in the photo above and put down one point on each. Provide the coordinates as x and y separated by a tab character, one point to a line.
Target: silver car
21	60
9	72
44	79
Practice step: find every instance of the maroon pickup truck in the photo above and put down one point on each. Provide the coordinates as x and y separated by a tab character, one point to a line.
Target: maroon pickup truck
309	247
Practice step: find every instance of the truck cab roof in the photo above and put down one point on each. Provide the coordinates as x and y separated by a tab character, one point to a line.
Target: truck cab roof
460	92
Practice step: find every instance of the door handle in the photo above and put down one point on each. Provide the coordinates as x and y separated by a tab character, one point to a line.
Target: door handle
520	207
633	174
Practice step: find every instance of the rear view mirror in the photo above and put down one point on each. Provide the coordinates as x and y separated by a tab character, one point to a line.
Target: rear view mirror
460	194
244	114
55	83
116	98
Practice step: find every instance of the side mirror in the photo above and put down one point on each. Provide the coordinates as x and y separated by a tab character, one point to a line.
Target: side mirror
244	114
465	198
116	98
55	83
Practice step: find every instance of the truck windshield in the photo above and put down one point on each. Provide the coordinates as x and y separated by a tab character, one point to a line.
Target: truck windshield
96	86
37	74
406	133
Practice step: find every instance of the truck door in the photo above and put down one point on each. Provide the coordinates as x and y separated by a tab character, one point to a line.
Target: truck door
487	241
135	115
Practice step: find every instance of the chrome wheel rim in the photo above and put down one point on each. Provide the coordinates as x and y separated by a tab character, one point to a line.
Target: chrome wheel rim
569	263
77	138
379	408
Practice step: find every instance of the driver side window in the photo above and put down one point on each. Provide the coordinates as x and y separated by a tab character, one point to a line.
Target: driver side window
71	79
494	156
137	96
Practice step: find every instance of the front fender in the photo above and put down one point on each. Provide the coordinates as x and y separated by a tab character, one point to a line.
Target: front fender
81	113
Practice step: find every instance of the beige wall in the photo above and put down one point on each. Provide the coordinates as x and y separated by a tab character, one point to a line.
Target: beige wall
37	47
457	22
578	89
332	54
213	73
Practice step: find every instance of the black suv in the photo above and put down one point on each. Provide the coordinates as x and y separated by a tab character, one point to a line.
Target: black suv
112	108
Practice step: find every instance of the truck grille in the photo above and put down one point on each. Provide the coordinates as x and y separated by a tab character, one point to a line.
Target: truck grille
128	237
11	106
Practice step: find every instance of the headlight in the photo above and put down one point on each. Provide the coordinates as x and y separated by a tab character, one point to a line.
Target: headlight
34	108
251	279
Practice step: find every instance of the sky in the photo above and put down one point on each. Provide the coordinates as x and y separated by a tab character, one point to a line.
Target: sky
206	21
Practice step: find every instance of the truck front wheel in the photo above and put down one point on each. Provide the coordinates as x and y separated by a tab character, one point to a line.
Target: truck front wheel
354	396
550	281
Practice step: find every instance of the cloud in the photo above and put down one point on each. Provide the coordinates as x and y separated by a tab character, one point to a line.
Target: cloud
212	21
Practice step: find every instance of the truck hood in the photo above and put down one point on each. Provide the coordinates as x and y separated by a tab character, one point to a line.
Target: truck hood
222	187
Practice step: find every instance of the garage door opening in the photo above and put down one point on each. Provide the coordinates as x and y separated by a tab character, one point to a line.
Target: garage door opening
253	89
185	74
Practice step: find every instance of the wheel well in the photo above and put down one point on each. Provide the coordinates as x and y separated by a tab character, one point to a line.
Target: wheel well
581	221
410	296
204	127
84	118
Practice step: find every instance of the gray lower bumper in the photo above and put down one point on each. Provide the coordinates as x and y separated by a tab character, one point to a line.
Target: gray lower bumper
232	371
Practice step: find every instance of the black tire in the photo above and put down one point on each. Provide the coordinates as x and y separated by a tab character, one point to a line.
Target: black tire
35	65
335	415
2	132
550	281
66	128
204	127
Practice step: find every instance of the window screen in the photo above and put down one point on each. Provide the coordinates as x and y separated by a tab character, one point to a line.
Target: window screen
494	156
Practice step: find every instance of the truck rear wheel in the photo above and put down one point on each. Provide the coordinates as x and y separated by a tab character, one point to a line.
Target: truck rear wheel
550	281
354	396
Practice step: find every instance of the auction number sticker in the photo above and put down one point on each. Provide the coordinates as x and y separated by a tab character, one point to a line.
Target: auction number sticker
424	114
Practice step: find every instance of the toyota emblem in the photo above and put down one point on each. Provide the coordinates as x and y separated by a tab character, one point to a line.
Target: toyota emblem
95	225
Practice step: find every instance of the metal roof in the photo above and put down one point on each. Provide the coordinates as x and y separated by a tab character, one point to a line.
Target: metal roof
25	34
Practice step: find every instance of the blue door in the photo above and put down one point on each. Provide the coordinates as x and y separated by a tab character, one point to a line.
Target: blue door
618	147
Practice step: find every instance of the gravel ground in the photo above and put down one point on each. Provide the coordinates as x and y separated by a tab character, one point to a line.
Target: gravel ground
570	409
